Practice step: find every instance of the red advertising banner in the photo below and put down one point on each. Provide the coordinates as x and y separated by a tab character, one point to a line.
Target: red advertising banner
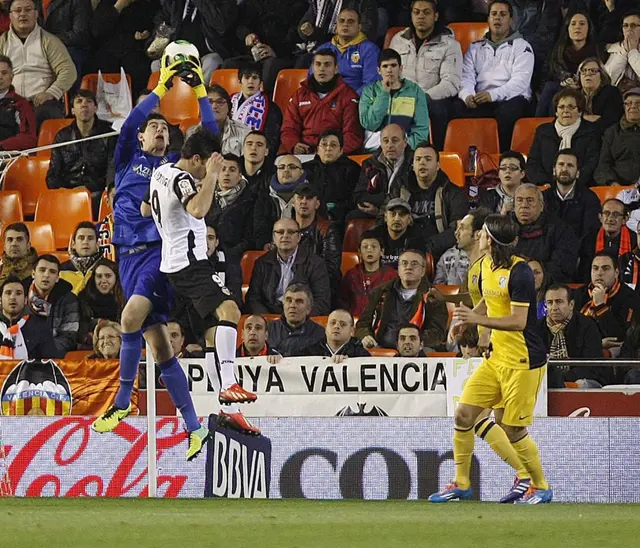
48	387
593	403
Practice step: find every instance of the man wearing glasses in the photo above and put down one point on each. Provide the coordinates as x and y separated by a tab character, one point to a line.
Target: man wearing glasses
276	201
49	72
284	265
614	237
620	152
405	299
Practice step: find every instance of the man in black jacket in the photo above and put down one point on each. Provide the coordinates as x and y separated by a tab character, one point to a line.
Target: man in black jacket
82	164
436	203
319	236
609	302
22	337
389	167
256	169
287	264
334	174
544	238
69	20
295	330
575	204
568	334
339	343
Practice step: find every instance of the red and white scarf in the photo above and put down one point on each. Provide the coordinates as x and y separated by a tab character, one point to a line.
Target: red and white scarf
12	345
253	110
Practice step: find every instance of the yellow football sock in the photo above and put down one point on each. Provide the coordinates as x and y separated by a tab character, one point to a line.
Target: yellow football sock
463	442
528	452
497	439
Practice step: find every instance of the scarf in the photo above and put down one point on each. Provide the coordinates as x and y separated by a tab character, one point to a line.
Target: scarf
626	124
18	266
105	231
38	304
225	198
252	111
361	37
566	133
12	345
323	88
286	191
589	309
84	264
558	348
589	97
625	241
326	11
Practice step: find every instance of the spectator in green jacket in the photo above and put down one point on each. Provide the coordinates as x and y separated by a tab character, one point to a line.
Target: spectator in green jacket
393	100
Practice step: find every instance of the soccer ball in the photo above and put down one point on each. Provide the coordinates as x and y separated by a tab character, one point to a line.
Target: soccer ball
182	52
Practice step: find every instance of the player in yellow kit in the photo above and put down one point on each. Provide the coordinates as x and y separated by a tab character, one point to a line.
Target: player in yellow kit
511	373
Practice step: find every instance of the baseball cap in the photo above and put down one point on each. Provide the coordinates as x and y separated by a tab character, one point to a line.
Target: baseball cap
398	202
307	190
632	91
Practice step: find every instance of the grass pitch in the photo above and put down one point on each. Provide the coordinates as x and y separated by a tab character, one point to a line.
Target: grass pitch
141	523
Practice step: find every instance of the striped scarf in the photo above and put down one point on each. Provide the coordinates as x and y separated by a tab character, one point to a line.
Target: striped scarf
558	348
589	309
625	241
12	345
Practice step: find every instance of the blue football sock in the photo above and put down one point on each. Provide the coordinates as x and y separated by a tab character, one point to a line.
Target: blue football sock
176	382
130	354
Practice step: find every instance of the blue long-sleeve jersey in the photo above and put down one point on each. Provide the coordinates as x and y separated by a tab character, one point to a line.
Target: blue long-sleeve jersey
133	173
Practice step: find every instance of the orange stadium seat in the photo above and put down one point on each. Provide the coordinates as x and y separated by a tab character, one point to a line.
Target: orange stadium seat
29	176
467	33
355	229
390	34
322	320
246	264
48	131
524	131
227	78
179	103
360	158
76	205
465	132
429	268
383	352
489	162
105	208
10	206
63	256
90	81
349	260
607	192
40	234
287	82
449	290
451	164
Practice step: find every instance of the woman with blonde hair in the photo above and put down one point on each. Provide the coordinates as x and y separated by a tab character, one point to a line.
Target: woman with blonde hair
107	338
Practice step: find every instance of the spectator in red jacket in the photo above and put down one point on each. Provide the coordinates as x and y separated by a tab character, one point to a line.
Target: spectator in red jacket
323	101
360	281
17	120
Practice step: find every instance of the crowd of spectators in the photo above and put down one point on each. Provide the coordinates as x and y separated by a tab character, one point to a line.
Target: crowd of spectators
290	186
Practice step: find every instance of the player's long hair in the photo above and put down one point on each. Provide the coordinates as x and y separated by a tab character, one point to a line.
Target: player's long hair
503	231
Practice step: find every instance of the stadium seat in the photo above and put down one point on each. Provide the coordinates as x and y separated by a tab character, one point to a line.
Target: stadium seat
465	132
28	175
448	289
48	131
41	235
355	229
105	208
287	82
383	352
489	162
90	81
63	256
10	206
360	158
467	33
227	78
246	264
390	34
349	260
451	164
322	320
607	192
76	205
524	131
179	103
429	268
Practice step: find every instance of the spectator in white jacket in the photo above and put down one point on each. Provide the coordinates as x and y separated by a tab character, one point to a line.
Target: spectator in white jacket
432	58
623	65
496	75
42	67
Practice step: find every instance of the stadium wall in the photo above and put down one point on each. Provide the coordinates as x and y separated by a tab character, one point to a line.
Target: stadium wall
586	459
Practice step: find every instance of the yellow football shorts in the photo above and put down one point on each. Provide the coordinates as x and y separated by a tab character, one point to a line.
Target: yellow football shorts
493	386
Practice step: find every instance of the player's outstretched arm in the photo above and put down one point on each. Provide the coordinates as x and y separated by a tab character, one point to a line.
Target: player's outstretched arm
199	205
195	78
